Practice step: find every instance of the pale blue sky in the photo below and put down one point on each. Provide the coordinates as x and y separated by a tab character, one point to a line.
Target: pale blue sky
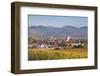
57	21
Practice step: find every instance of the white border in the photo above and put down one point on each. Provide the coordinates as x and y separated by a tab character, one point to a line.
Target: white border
25	64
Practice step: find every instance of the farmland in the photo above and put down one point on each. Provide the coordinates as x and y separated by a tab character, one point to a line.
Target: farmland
51	54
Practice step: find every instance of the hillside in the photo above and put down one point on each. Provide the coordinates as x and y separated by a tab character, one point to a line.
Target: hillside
40	32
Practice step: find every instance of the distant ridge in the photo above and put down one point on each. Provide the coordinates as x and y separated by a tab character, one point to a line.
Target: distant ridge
48	31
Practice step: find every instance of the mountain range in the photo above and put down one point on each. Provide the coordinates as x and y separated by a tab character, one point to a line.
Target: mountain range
40	32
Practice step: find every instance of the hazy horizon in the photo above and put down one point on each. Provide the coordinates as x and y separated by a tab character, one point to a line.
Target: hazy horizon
57	21
57	27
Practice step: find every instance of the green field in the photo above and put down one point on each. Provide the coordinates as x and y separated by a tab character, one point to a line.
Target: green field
51	54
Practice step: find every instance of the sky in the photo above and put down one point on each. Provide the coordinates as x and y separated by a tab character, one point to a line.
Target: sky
57	21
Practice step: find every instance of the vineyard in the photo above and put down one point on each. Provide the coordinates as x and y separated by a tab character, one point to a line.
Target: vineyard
51	54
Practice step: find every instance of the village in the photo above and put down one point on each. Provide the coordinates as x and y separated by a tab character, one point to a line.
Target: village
57	44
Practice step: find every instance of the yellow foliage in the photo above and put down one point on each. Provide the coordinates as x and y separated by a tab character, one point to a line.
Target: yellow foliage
51	54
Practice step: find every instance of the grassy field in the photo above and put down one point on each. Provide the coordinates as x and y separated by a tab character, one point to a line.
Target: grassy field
51	54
